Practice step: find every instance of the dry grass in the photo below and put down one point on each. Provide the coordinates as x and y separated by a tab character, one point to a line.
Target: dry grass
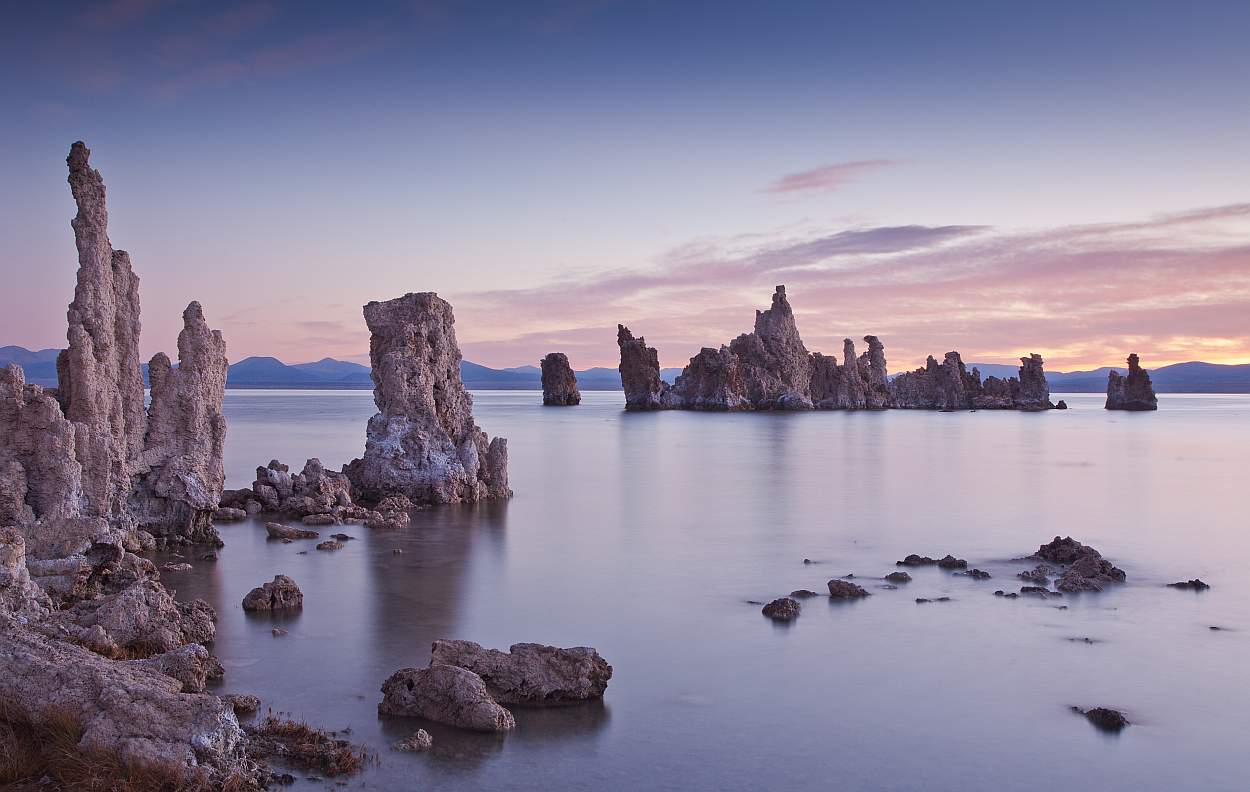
31	751
301	744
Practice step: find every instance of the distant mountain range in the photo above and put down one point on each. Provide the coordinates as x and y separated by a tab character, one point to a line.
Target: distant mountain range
269	372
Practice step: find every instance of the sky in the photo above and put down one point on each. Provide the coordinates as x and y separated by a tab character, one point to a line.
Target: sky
1068	178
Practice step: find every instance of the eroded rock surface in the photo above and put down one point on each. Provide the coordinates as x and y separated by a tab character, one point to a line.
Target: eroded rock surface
950	386
281	593
640	372
782	609
530	674
181	470
559	381
1086	569
423	443
1132	391
844	589
444	694
129	708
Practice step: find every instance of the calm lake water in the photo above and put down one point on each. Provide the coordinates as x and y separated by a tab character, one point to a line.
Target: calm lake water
645	536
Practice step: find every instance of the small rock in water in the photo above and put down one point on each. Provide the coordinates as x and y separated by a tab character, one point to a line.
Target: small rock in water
950	562
782	609
841	589
976	574
898	577
914	560
1193	585
242	703
330	544
803	594
342	537
1039	575
279	594
1001	593
287	533
1061	405
923	600
421	741
278	632
1104	718
1038	591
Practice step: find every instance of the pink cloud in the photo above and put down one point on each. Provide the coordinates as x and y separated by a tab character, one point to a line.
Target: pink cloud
1172	288
827	177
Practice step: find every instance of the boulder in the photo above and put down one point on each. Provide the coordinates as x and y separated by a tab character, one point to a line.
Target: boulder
530	674
279	594
1193	585
130	710
559	381
280	531
1132	391
444	694
843	589
423	443
783	609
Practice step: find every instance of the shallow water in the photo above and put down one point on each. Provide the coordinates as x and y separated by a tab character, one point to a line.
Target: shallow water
644	535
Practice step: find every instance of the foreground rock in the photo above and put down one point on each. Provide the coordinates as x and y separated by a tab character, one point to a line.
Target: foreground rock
1133	391
281	593
1086	569
530	674
129	710
559	381
423	443
783	609
314	495
444	694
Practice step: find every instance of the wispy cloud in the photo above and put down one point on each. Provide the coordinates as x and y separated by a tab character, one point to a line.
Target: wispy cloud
1172	287
827	178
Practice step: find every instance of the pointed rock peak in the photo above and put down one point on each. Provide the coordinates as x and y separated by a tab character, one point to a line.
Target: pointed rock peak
1134	362
623	335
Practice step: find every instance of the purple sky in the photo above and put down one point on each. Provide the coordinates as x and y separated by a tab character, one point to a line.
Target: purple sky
998	178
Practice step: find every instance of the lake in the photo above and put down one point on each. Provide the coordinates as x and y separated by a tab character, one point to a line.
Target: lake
647	536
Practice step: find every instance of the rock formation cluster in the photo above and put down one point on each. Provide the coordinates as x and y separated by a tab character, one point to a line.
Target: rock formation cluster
1132	391
89	476
466	684
559	381
93	463
770	369
423	443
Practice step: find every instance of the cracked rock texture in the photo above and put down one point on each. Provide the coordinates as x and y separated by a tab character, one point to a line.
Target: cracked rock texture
528	673
423	443
559	381
444	694
1132	391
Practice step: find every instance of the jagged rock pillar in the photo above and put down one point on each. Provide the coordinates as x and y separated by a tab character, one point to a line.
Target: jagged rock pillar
1132	392
423	443
559	381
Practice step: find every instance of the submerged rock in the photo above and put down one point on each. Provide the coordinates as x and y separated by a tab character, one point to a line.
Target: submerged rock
782	609
1133	391
280	531
279	594
1193	585
419	742
444	694
423	443
530	674
842	589
1104	718
559	381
